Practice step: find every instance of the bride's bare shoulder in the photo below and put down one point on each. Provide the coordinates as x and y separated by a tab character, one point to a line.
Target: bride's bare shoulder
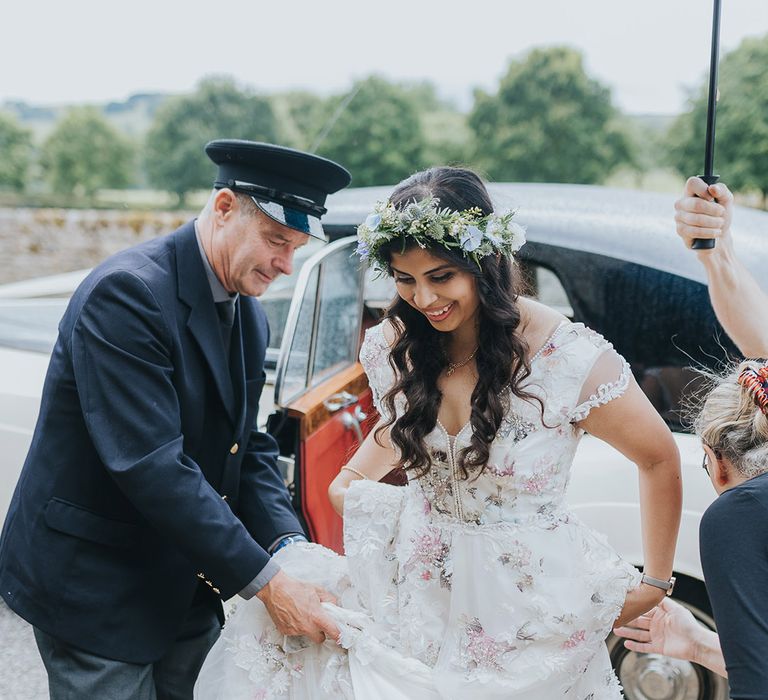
537	322
390	331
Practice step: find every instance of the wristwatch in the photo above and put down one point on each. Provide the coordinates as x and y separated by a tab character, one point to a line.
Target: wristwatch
667	586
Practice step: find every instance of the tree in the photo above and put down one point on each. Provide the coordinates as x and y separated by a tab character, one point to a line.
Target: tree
175	158
446	133
301	117
374	132
15	153
548	122
84	153
741	154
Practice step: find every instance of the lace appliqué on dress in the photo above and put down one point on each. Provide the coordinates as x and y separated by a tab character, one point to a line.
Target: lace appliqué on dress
603	394
374	356
512	423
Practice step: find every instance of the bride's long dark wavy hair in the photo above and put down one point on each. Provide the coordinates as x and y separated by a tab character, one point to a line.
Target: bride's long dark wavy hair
502	356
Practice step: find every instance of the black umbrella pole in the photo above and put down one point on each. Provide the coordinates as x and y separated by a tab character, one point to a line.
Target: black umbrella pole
709	150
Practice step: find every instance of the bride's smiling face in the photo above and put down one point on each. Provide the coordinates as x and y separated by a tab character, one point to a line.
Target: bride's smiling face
444	293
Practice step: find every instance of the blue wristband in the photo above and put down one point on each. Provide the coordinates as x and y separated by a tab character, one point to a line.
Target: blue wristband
288	540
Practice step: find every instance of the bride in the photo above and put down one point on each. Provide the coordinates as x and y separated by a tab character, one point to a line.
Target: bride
474	580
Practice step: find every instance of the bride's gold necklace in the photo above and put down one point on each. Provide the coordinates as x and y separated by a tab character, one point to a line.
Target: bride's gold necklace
453	366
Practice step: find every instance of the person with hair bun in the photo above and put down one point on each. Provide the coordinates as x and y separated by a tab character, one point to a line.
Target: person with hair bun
475	580
733	541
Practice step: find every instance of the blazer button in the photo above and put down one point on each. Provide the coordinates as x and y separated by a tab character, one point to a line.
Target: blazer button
233	450
201	575
216	590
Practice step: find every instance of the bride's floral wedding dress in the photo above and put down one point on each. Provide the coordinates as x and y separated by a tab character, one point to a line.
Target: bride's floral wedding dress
455	588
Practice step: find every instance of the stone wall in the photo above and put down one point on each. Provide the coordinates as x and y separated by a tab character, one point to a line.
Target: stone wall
39	242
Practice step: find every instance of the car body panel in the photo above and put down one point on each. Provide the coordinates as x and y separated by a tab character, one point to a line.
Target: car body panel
603	492
22	375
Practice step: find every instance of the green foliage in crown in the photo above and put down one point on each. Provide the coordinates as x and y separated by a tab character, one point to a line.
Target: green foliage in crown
469	232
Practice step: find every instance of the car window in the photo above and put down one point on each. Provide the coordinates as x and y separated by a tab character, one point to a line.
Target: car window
671	391
339	315
277	299
322	329
543	284
296	369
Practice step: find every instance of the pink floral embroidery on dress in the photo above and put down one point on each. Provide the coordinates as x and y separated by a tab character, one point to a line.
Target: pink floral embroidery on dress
429	553
548	349
543	472
480	650
575	640
507	467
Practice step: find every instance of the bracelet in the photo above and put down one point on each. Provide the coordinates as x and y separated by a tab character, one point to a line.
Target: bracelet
666	586
354	471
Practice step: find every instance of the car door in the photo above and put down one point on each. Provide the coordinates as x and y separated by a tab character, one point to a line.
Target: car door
322	398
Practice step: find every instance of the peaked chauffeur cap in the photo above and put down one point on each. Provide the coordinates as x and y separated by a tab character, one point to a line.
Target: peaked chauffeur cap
289	186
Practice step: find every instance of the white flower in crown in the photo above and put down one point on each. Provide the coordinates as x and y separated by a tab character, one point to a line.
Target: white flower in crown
372	221
471	239
493	233
517	236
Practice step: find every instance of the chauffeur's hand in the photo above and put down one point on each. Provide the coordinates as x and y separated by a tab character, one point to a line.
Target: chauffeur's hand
294	607
668	629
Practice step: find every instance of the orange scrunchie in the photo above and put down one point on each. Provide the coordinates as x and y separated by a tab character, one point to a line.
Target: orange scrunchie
756	383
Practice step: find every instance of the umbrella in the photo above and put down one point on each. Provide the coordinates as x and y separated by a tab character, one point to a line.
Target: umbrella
709	149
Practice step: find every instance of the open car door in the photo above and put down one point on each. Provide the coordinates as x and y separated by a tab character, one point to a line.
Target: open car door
322	397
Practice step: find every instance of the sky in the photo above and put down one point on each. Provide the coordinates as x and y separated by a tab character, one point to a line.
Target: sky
649	52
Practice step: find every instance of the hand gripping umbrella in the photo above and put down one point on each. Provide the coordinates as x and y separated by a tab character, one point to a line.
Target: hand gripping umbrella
709	150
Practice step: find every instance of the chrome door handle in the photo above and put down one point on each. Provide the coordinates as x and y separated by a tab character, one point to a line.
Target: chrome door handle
351	422
338	401
360	414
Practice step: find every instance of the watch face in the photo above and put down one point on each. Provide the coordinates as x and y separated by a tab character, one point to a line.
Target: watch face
671	585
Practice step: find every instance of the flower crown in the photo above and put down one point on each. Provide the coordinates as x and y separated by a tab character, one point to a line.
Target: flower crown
468	231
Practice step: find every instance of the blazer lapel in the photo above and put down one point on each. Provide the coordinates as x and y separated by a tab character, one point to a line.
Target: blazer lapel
203	321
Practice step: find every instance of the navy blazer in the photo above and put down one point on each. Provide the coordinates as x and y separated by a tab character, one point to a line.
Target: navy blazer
146	474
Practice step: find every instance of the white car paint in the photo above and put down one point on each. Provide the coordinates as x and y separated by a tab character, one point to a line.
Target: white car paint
604	493
21	384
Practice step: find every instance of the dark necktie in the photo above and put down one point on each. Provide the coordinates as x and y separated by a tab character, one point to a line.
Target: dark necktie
226	311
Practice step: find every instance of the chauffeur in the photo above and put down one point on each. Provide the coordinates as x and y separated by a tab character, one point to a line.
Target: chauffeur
148	494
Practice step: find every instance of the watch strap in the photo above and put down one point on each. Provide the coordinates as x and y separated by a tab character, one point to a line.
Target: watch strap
667	586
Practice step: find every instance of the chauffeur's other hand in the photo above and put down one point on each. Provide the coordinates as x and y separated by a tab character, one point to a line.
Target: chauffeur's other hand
705	212
294	607
668	629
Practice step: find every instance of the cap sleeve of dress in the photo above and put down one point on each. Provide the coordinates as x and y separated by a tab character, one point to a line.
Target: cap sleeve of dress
374	356
600	373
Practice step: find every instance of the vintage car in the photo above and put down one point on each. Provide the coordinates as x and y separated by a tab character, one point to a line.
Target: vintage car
608	258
